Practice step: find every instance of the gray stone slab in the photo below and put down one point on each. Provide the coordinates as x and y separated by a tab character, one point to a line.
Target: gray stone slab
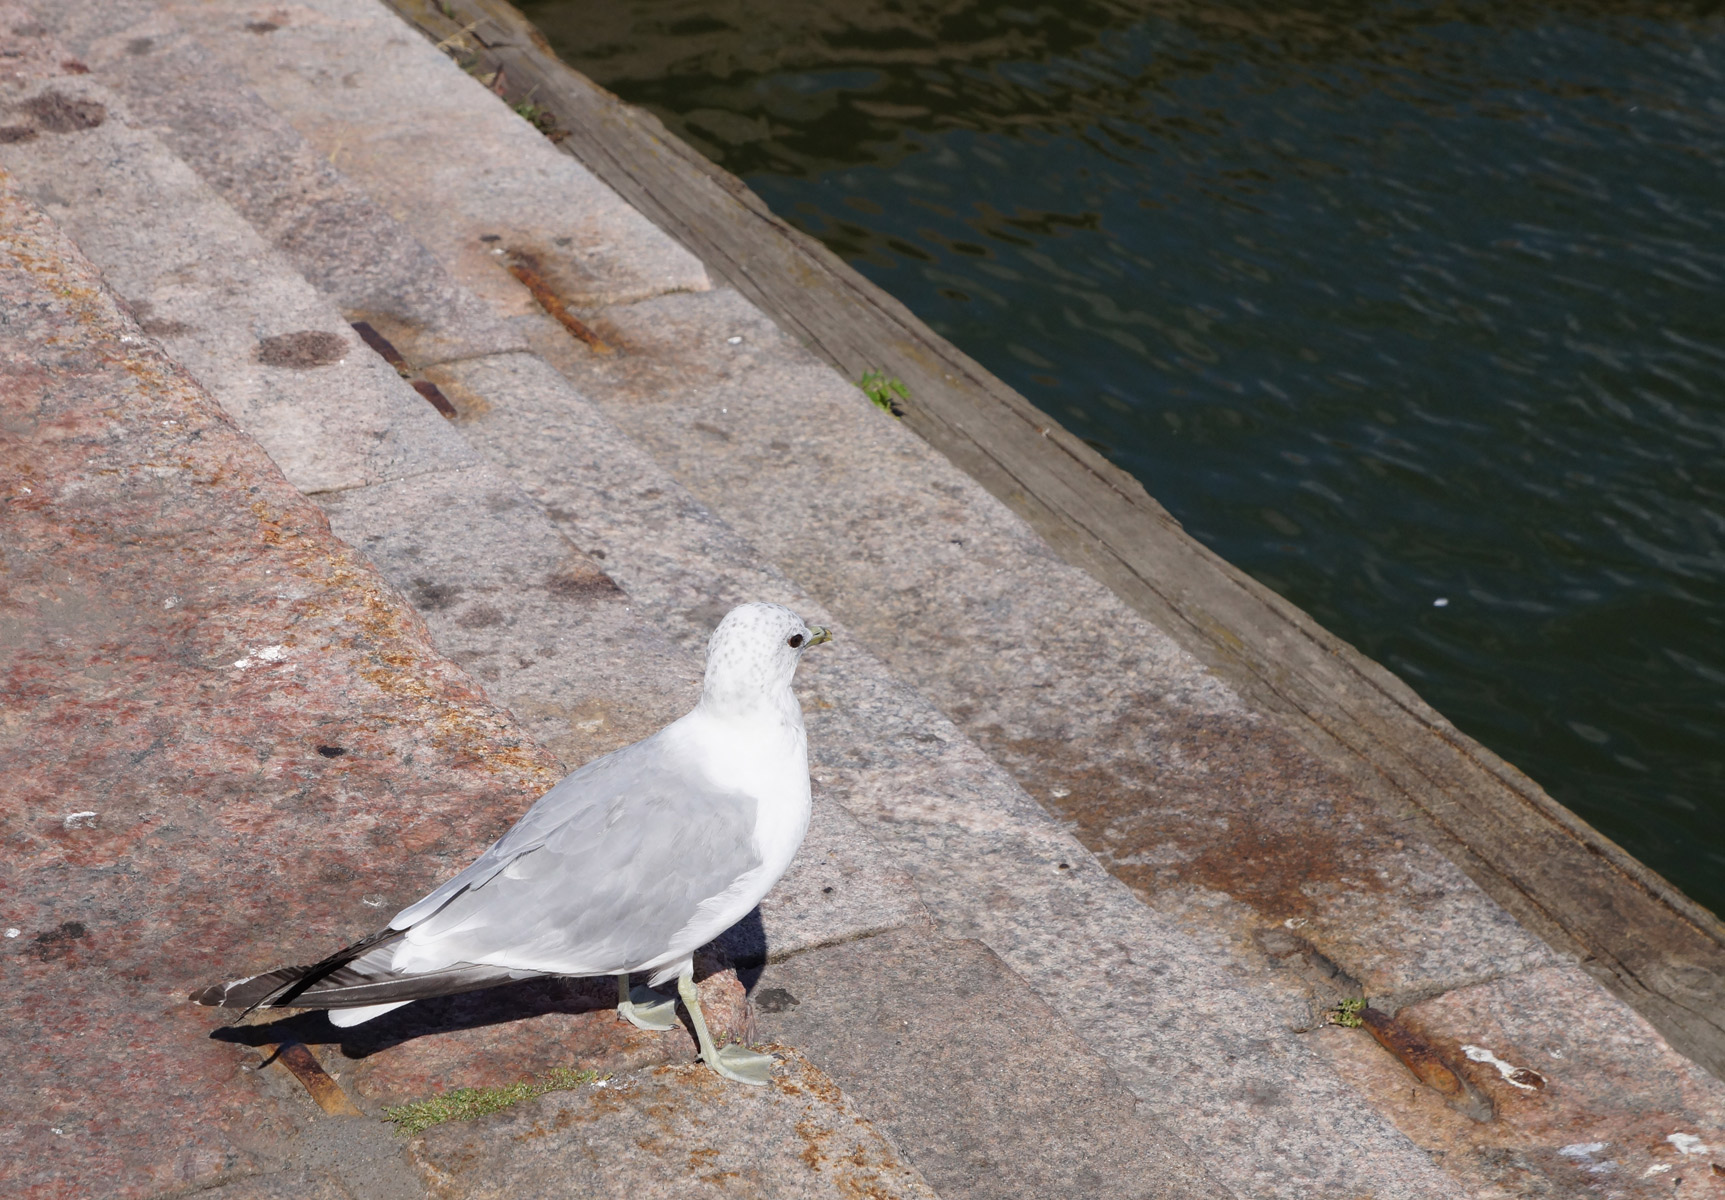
552	637
523	610
1196	1037
1207	808
334	235
402	121
673	1131
1591	900
1199	1033
279	358
980	1082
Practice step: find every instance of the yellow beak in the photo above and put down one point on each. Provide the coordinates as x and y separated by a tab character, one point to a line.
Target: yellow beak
817	635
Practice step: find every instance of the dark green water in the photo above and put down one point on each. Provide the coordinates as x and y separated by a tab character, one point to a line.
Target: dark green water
1414	311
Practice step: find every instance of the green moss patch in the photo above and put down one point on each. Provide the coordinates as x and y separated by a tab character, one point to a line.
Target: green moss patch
463	1104
1347	1013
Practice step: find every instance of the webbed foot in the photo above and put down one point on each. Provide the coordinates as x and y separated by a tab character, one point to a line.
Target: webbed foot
646	1009
743	1065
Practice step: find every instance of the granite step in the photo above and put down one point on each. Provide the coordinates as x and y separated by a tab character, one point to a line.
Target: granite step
486	574
153	520
1208	810
709	459
888	756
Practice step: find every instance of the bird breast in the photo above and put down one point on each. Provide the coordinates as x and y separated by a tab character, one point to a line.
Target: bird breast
763	756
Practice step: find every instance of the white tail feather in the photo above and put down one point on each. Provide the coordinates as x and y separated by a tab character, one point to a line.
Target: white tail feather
343	1018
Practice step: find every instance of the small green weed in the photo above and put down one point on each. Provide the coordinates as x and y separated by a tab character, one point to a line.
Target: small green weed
463	1104
885	392
1347	1013
539	118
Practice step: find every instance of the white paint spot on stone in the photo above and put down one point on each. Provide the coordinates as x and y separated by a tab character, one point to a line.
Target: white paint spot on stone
1060	793
372	901
170	602
1656	1169
13	932
1578	1149
1513	1075
1293	922
80	820
735	341
1687	1143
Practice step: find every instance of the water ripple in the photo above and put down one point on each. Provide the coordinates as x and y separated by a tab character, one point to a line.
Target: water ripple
1386	301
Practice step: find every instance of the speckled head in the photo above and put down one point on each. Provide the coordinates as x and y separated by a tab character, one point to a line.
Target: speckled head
753	654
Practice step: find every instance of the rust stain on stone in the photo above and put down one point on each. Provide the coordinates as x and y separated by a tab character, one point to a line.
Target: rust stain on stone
526	267
1210	801
435	397
580	580
383	347
1414	1052
368	333
299	1061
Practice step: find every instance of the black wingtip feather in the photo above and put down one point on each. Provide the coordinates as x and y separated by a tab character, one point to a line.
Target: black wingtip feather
332	983
279	988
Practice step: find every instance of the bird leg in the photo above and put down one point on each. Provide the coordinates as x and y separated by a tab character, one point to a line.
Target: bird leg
644	1008
733	1062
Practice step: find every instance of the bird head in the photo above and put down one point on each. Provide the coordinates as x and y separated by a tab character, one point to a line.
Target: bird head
753	654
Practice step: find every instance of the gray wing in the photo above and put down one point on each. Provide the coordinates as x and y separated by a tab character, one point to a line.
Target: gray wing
597	876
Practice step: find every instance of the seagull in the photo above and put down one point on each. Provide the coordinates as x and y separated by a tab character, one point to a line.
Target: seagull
625	867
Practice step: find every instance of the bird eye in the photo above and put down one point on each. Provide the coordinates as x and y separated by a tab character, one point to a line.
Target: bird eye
796	641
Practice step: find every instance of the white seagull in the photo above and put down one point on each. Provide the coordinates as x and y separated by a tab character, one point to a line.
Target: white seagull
628	865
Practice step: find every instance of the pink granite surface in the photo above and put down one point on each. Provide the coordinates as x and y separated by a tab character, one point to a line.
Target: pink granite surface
225	744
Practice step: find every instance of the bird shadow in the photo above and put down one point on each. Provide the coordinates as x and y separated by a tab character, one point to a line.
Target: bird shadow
743	948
